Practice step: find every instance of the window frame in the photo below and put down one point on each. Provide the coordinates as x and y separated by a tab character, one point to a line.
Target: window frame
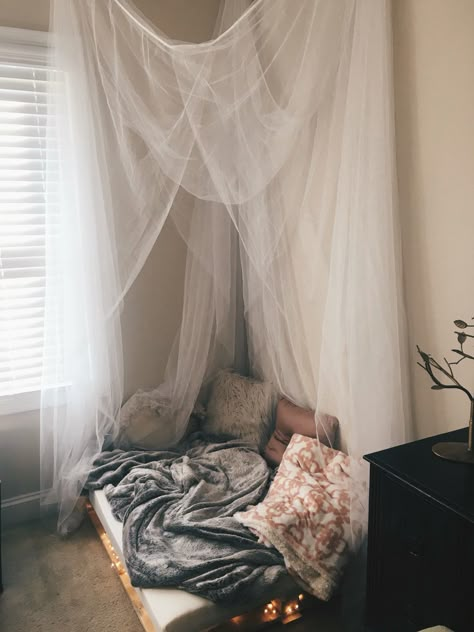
23	46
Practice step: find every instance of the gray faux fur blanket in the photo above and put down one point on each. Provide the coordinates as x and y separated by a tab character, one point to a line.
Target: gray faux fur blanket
177	508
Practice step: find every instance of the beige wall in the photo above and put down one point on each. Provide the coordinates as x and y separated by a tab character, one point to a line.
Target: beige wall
25	14
434	90
153	307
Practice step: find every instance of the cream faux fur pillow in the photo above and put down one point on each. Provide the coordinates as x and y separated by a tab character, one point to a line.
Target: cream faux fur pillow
147	423
240	407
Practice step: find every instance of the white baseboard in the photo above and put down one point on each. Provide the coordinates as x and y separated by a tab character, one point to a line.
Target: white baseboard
23	508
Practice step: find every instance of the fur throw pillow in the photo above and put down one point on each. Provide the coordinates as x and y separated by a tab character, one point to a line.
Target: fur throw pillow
240	407
146	422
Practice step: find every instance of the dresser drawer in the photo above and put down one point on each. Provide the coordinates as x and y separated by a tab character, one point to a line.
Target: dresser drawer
419	562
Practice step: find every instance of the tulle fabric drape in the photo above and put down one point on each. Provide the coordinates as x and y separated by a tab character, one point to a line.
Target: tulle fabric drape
281	128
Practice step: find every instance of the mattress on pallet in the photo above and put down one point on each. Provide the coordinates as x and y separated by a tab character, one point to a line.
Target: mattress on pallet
174	610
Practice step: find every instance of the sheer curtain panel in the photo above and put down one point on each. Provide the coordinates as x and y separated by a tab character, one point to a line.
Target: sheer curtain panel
281	128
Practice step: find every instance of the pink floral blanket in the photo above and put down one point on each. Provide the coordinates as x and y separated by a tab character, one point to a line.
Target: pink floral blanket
305	514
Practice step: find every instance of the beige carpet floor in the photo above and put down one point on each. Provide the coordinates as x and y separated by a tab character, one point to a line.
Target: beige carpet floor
53	584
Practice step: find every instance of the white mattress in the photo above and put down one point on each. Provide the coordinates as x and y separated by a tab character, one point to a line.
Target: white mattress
173	610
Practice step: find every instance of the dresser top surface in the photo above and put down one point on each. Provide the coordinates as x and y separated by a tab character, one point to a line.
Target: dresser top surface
451	484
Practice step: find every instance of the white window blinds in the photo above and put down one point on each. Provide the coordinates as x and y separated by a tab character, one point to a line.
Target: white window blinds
24	155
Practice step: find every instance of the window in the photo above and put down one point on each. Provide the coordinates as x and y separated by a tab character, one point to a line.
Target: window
24	155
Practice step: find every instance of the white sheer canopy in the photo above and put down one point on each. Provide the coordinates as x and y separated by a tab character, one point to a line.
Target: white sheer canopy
281	128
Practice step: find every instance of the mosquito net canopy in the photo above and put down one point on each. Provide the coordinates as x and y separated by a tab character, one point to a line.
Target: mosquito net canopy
281	130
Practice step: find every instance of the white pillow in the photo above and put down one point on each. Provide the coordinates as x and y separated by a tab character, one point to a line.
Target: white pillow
240	407
147	423
144	423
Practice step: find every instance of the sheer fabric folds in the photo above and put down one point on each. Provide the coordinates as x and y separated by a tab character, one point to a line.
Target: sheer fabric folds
281	130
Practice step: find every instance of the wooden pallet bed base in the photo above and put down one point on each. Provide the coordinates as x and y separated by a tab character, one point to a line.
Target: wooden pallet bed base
121	572
276	611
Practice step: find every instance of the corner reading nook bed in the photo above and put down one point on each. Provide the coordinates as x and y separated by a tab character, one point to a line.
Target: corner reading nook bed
208	530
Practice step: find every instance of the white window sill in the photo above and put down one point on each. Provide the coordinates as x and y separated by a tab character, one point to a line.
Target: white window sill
20	402
28	401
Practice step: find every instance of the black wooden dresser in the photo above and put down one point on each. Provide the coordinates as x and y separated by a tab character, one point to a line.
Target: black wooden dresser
420	567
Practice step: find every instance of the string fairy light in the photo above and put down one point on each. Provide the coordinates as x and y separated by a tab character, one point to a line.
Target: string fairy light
292	608
272	611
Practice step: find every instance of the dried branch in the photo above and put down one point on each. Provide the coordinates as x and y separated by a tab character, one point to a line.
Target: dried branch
463	354
461	324
430	364
450	364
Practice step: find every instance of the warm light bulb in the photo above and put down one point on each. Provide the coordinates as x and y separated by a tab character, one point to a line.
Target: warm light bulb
301	597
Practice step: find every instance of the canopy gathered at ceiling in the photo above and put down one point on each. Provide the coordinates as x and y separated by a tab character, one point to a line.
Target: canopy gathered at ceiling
281	129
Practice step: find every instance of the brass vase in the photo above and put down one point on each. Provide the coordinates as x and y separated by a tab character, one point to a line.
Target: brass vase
457	451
